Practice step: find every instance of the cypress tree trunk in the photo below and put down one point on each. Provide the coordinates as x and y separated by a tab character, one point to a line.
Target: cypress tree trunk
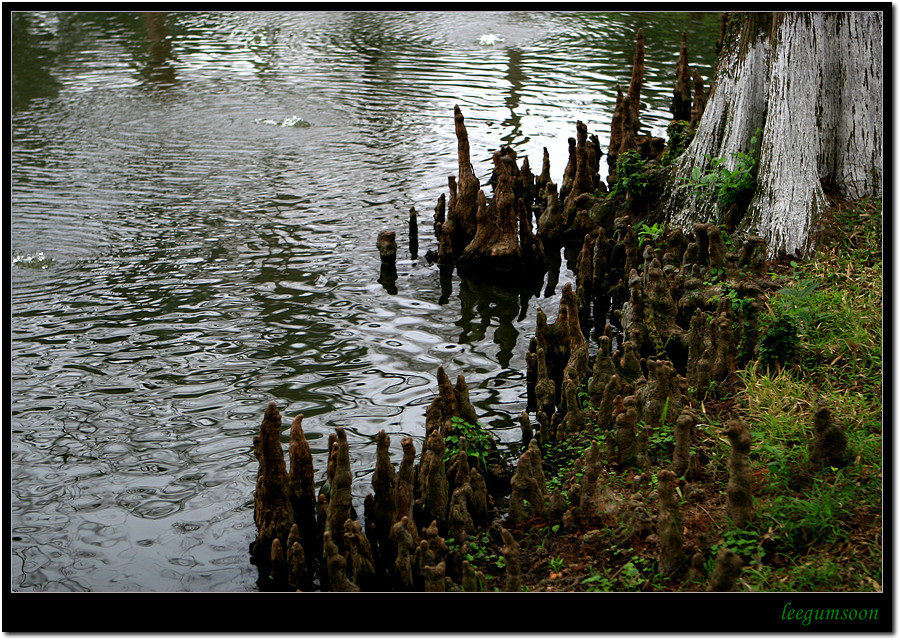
813	82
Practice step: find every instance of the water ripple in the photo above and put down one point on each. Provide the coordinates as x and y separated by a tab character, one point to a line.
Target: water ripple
194	207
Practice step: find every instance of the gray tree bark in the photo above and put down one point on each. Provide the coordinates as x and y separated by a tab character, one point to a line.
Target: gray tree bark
813	82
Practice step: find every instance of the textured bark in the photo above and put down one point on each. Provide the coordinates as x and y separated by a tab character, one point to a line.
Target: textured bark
671	539
272	506
470	577
545	395
699	104
439	414
383	483
303	488
829	444
496	246
433	479
434	577
528	485
406	478
513	559
813	82
413	233
362	562
739	505
615	130
727	570
581	179
569	173
596	499
684	430
339	499
462	205
387	246
466	409
404	545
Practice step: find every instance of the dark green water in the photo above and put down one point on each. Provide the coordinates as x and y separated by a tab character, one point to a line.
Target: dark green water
194	205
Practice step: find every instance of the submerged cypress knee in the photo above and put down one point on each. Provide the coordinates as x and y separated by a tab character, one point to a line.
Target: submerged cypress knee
383	483
303	489
413	233
387	246
340	500
681	101
271	500
336	565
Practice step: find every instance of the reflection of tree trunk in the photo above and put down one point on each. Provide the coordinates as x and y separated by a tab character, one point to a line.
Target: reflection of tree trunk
158	67
813	83
514	76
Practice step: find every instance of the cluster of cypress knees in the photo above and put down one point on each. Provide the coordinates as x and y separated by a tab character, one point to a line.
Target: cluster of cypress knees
678	333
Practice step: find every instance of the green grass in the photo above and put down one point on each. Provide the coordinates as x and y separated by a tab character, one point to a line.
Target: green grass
820	531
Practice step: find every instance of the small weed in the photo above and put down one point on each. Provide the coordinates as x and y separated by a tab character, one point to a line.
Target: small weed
745	543
661	443
779	342
557	564
479	443
631	179
679	137
731	186
650	233
597	581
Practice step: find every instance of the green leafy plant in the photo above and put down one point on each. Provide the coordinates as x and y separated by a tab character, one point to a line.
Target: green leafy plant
631	576
818	517
543	534
557	458
557	564
779	343
679	137
597	581
732	186
744	542
662	443
650	233
479	443
631	177
796	299
794	308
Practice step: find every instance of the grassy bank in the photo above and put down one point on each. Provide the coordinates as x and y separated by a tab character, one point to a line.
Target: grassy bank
812	530
821	531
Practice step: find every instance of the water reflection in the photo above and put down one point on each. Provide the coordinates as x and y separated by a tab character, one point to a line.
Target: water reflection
32	58
387	278
195	266
483	301
158	69
515	78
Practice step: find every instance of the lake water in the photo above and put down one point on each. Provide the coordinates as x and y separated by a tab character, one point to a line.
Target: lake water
195	199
